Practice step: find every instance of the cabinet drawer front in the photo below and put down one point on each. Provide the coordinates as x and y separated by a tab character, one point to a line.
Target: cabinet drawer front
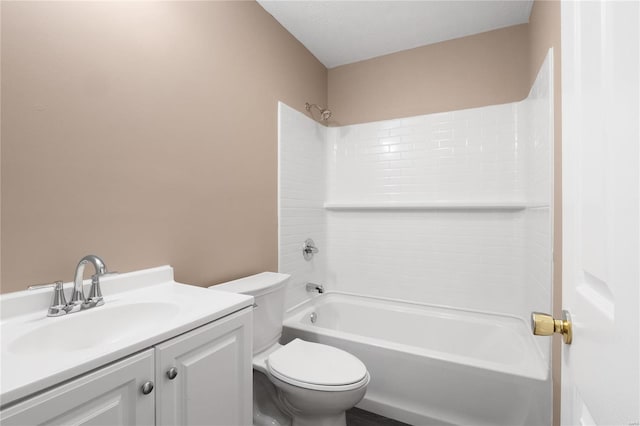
213	384
108	396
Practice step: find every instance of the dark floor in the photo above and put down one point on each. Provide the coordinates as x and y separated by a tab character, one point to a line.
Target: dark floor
358	417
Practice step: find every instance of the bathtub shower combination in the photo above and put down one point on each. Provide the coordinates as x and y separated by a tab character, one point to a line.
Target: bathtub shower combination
434	246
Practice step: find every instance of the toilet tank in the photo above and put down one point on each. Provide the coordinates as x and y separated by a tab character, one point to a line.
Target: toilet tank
268	290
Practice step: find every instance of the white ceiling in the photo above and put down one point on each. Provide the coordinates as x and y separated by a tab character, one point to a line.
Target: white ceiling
341	32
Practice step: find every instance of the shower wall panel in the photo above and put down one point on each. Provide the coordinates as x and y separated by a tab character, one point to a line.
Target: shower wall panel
462	155
464	258
301	187
455	258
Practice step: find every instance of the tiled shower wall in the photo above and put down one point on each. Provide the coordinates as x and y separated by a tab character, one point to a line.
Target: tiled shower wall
487	259
464	258
460	155
301	193
455	258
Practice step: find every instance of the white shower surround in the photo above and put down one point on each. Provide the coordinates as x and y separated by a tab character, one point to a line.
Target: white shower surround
450	209
465	258
495	260
301	194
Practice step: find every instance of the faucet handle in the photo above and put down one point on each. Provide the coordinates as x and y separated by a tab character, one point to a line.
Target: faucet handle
95	294
309	249
47	285
58	304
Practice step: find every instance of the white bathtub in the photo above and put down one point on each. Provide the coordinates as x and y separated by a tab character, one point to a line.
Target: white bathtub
434	365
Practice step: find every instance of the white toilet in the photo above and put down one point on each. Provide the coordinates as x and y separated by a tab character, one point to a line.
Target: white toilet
307	383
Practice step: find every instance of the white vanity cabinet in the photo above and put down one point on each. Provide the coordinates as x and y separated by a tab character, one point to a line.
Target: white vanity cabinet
204	377
213	384
108	396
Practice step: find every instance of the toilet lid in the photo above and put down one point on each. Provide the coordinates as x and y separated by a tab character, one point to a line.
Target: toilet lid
316	364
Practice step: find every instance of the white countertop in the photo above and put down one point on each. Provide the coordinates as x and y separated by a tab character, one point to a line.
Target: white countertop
24	371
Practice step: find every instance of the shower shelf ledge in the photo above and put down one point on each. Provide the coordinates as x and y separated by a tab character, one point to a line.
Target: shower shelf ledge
427	205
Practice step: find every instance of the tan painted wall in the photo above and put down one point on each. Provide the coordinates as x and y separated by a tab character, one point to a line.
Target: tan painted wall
544	32
483	69
146	133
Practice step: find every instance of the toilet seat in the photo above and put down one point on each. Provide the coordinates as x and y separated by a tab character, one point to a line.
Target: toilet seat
317	367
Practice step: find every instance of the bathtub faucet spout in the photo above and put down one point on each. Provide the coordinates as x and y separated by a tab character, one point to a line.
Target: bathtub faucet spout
311	287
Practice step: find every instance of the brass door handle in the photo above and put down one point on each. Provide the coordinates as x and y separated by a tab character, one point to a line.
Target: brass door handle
546	325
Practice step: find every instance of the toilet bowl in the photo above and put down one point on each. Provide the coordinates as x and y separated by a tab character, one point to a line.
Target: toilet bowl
303	383
317	383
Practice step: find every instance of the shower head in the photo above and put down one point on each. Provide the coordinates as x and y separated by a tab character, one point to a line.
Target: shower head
325	113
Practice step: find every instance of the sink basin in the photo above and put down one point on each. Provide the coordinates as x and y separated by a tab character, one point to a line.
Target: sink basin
103	325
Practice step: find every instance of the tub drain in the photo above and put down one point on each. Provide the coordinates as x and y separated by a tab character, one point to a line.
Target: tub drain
313	317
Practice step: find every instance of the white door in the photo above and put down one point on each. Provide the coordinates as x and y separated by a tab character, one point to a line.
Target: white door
205	376
110	396
600	157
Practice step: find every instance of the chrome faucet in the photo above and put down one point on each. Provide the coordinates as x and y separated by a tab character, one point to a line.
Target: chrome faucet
311	287
78	300
59	305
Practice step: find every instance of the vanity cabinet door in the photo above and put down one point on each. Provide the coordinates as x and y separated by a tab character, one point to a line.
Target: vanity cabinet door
109	396
213	384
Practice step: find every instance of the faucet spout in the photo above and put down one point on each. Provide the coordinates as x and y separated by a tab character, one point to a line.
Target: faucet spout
78	300
311	287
